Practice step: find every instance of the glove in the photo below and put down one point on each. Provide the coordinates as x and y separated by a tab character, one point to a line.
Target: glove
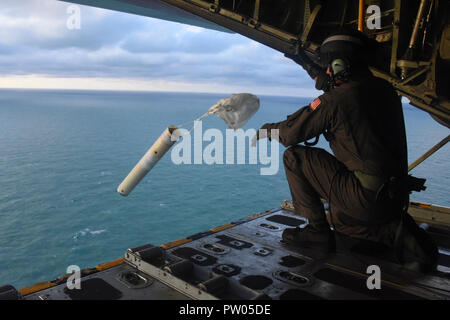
262	134
324	82
302	59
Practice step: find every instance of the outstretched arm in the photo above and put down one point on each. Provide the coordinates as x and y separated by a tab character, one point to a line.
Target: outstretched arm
305	124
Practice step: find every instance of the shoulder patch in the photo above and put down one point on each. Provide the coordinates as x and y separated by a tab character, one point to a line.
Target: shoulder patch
315	104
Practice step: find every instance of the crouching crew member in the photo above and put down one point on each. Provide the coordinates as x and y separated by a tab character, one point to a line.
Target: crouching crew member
366	181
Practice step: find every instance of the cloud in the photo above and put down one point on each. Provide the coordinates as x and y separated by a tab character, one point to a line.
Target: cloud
34	40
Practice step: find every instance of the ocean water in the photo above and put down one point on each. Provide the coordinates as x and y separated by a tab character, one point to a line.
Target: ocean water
63	154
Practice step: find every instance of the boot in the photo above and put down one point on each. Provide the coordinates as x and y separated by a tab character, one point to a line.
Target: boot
310	236
420	252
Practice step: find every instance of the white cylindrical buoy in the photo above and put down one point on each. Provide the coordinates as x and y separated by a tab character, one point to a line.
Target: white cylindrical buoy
148	161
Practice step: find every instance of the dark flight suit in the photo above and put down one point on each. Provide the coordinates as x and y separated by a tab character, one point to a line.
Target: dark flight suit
363	121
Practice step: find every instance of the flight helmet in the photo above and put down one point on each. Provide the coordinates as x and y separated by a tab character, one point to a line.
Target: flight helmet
344	52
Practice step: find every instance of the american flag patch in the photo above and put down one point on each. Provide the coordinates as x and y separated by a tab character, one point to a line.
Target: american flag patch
315	104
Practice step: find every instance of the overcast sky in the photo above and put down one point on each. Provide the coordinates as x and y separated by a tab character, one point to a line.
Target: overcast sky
120	51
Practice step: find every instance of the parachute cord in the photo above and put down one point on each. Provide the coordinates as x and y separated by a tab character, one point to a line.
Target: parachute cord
181	125
198	119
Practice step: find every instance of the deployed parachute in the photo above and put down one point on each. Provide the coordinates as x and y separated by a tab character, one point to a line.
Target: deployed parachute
235	110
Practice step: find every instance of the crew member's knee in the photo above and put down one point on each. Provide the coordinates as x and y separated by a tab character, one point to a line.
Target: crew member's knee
294	154
289	157
288	153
